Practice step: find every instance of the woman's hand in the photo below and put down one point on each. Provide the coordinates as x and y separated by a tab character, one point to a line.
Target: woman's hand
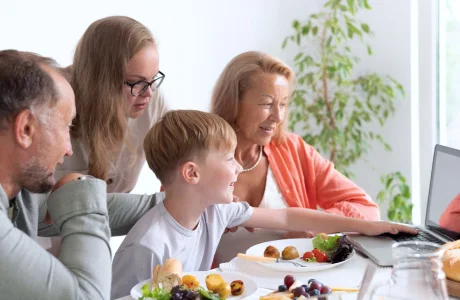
380	227
301	234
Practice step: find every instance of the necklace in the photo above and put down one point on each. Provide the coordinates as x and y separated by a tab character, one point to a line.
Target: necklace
257	162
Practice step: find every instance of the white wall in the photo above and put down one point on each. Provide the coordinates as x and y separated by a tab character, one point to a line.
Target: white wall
428	93
391	23
197	38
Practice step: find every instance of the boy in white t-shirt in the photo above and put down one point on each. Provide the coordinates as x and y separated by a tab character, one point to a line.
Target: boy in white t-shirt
191	153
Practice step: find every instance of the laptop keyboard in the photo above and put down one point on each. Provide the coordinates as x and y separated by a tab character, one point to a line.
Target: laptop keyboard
421	236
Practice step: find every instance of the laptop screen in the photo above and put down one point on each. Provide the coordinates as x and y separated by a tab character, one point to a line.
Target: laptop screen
443	207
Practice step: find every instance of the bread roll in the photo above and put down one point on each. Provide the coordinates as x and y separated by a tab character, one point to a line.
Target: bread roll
168	275
451	260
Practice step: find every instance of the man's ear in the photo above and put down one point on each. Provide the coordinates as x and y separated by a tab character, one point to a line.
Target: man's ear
25	126
190	172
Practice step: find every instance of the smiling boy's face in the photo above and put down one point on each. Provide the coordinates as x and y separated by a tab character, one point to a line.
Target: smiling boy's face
218	173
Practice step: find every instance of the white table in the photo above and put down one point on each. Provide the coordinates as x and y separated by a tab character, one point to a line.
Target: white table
354	270
349	274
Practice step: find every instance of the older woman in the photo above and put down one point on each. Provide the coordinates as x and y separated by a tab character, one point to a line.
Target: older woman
115	76
280	169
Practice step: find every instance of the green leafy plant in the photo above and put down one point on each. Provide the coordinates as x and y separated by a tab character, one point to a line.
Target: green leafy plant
397	193
332	107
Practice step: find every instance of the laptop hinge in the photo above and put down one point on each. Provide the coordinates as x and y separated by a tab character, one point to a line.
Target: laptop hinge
440	232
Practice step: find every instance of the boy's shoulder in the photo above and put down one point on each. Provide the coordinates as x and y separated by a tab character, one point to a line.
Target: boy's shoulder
151	227
229	214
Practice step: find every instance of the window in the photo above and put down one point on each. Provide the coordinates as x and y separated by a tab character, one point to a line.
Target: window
449	73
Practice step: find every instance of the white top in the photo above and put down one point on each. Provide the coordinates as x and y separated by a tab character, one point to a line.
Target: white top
157	237
238	242
124	172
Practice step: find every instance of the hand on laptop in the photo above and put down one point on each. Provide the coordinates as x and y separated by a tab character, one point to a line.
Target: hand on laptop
380	227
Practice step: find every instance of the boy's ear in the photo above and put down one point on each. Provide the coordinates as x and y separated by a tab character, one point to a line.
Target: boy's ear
190	172
25	126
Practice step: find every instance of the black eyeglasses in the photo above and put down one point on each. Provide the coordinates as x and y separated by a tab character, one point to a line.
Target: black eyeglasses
139	87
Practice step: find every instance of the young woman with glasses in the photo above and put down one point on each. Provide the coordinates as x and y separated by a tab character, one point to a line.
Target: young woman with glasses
115	76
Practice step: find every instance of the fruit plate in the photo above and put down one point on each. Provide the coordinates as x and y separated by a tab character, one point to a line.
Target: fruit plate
302	245
250	286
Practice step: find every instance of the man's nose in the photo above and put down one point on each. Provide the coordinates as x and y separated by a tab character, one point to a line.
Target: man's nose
69	151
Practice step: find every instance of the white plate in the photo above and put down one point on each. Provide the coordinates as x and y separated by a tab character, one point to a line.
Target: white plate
302	245
250	286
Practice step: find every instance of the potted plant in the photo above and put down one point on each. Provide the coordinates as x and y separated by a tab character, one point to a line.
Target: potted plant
331	106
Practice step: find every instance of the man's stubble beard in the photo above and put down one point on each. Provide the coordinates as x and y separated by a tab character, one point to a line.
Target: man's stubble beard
36	178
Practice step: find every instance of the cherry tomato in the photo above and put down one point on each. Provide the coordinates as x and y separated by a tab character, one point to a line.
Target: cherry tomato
308	255
315	251
321	257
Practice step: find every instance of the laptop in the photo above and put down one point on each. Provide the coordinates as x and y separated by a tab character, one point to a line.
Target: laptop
443	203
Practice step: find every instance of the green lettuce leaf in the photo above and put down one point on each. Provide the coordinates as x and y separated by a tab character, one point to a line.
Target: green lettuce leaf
208	295
327	246
156	293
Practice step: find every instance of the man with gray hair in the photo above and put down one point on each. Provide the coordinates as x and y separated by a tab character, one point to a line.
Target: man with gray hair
37	106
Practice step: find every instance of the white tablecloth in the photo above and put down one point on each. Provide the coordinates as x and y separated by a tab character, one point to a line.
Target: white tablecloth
349	274
345	275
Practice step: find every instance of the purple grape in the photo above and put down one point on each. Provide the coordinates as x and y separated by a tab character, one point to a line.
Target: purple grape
289	280
298	291
325	290
315	285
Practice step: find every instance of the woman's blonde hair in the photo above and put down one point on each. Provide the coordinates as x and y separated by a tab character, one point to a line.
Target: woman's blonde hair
183	135
97	75
238	77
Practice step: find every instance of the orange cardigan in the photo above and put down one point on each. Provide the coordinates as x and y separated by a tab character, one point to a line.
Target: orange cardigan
308	180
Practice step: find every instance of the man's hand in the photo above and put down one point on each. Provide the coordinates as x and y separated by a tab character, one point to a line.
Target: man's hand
380	227
297	235
64	180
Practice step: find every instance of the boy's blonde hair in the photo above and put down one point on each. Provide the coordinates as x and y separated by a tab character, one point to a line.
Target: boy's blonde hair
183	135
